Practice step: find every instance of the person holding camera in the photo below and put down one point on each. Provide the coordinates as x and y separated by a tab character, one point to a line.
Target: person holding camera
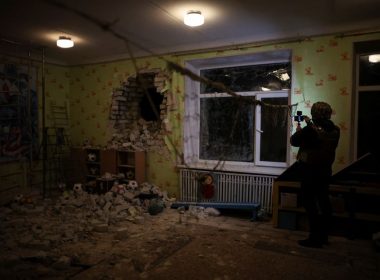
317	142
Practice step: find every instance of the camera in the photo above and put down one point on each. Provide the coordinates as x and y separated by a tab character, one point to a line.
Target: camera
299	117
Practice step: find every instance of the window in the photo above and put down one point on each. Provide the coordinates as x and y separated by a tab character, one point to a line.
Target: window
232	130
367	98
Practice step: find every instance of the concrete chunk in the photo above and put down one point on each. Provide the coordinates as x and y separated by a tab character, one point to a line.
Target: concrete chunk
101	227
63	263
121	233
120	208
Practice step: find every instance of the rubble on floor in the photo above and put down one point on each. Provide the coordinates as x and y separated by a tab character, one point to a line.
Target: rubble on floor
57	237
131	233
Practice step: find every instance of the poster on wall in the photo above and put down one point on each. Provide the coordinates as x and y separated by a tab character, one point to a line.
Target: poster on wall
18	112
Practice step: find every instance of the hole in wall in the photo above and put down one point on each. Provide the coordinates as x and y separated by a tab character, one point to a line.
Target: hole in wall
138	107
148	111
151	100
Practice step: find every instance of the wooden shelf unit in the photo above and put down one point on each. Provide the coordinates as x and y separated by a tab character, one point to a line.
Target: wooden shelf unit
132	165
98	162
352	204
92	163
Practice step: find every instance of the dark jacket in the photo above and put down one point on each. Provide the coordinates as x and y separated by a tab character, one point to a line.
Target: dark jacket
317	143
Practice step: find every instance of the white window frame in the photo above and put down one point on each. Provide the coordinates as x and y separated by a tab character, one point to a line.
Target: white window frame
259	96
192	112
359	89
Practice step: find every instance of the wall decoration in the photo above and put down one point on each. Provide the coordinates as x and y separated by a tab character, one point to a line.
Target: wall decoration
18	112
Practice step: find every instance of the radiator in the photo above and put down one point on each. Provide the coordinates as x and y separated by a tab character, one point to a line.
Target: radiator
229	188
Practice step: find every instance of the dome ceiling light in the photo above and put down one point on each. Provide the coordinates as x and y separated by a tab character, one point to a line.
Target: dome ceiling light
374	58
194	18
65	42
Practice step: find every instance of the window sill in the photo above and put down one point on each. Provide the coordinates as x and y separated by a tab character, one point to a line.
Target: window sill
234	167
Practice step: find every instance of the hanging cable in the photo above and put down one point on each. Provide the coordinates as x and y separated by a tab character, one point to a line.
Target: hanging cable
173	66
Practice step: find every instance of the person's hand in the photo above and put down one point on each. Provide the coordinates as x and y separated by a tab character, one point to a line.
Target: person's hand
307	119
298	127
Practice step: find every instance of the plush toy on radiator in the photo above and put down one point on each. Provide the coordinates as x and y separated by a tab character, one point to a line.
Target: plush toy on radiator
207	186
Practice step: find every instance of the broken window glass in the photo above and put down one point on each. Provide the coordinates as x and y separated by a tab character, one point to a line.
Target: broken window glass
261	77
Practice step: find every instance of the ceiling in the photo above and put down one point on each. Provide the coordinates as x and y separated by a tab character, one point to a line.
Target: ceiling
156	26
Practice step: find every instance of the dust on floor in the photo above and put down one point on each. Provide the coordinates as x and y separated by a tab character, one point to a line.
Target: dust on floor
45	242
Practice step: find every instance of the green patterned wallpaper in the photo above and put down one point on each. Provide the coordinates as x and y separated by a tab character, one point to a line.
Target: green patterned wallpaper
91	88
322	70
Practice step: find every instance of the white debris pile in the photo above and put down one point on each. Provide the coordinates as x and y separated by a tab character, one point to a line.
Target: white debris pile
123	202
196	213
142	135
74	216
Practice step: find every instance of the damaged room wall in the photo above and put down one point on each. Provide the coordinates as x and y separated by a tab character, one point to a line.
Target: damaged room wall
322	70
90	103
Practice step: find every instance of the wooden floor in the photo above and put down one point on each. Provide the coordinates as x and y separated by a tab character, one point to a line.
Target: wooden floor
171	245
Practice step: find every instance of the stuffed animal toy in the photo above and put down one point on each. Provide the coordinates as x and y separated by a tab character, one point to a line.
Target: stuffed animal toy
130	175
207	186
132	185
62	187
91	157
94	170
119	188
23	199
18	198
78	190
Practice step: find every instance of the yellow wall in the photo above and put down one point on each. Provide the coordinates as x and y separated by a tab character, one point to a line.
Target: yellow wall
322	70
91	88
